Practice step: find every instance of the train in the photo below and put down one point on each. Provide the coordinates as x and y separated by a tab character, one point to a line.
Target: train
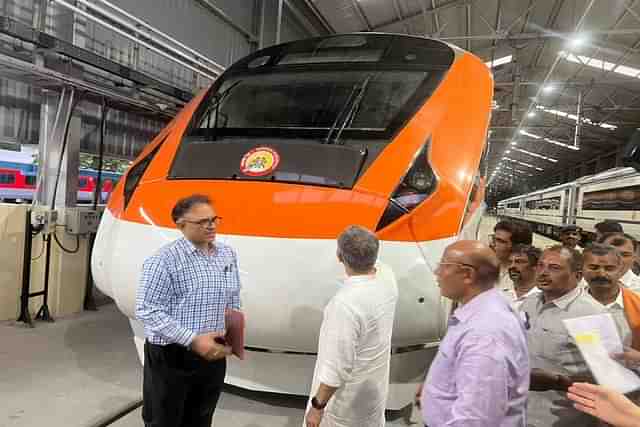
613	195
294	143
18	182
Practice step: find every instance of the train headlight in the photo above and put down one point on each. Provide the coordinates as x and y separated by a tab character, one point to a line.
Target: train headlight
417	184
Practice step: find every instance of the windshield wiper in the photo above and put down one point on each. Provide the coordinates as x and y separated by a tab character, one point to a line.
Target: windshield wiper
353	111
352	104
216	105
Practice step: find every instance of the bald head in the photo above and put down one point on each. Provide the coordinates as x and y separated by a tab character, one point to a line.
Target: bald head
478	255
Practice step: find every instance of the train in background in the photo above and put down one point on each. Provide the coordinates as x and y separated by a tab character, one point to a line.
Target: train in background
613	194
18	183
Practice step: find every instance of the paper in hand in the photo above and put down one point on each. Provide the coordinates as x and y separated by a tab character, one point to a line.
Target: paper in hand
597	337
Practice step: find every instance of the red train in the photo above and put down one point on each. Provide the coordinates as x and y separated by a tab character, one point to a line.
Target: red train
18	182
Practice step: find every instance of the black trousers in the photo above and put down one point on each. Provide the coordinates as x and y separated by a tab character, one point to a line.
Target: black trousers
180	388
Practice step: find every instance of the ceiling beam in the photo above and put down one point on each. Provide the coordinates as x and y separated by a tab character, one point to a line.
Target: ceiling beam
360	12
544	34
441	8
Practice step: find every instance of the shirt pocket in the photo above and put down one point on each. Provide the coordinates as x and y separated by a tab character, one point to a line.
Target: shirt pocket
184	281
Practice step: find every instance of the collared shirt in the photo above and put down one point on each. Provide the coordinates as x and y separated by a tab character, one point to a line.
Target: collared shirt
354	350
504	280
616	309
184	292
631	281
480	376
552	349
512	297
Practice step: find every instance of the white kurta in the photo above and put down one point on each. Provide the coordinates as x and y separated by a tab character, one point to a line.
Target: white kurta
354	350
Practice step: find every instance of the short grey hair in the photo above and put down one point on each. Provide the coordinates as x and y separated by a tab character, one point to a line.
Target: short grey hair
358	248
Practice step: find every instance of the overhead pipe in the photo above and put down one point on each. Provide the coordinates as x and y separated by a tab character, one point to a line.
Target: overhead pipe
137	40
279	22
222	15
149	27
576	138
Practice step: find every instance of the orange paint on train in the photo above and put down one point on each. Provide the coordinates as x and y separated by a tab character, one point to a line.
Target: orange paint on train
297	211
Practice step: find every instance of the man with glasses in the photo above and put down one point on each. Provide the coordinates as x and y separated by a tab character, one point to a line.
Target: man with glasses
480	376
184	293
555	360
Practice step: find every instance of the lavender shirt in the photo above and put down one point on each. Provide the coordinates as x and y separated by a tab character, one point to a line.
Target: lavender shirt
480	376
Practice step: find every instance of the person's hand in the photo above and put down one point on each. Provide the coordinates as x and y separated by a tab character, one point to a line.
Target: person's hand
607	405
418	396
314	417
205	346
629	358
563	382
542	380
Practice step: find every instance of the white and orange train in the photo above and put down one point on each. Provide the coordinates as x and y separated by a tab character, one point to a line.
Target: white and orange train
294	143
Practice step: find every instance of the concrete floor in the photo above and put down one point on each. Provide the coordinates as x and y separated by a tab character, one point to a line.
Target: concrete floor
80	370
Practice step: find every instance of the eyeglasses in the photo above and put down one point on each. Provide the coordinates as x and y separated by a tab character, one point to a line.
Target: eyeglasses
205	222
460	264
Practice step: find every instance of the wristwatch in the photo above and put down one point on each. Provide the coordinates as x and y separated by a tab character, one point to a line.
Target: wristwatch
317	405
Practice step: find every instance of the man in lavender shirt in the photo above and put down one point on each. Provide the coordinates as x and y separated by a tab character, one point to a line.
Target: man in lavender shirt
480	376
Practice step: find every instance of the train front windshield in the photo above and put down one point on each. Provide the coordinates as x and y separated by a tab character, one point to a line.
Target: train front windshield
328	106
312	101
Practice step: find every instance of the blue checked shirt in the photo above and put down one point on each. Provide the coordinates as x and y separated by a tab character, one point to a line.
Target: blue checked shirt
184	293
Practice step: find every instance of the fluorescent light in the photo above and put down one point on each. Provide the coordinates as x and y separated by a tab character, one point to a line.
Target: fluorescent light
499	61
540	156
528	165
531	114
601	65
531	135
549	140
575	118
514	142
547	89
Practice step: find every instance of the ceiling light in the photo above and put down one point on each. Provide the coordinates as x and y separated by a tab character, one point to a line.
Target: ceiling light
550	141
577	41
601	65
499	61
575	118
548	89
539	156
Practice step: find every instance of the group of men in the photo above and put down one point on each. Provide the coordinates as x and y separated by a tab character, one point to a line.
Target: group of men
506	359
495	385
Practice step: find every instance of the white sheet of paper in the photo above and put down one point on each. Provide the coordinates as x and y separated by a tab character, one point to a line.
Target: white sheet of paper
597	337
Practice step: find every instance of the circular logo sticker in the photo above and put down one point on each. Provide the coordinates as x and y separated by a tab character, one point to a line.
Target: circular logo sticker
259	161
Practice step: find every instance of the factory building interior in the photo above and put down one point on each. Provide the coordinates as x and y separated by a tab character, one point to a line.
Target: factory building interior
109	109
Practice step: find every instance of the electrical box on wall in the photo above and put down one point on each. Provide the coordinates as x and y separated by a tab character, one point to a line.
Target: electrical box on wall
81	221
44	219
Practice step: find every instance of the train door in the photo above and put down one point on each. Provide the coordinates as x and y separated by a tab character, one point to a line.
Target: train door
566	198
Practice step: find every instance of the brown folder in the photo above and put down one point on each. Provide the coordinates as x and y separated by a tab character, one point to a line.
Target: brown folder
234	320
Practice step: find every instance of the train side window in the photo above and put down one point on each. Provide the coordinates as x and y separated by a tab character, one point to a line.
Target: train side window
614	199
82	183
7	178
135	174
30	180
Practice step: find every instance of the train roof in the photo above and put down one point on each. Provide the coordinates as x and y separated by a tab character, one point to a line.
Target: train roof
616	173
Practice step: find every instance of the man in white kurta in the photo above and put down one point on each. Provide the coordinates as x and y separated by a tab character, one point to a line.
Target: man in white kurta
351	376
